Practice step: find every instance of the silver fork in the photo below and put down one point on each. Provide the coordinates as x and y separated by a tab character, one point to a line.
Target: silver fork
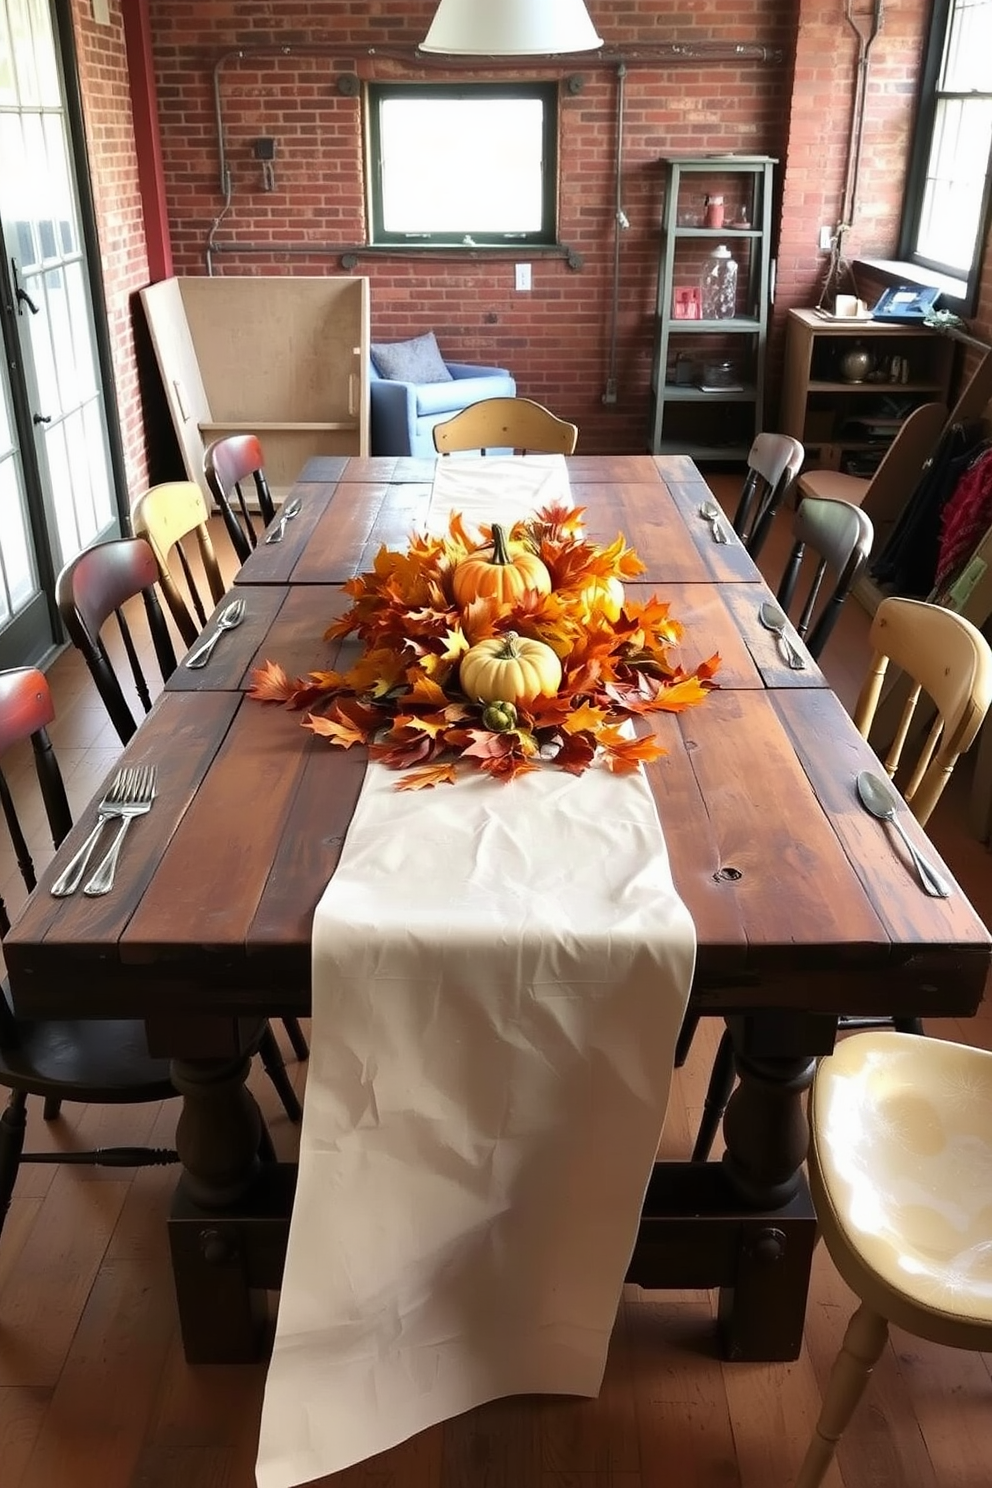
69	879
138	803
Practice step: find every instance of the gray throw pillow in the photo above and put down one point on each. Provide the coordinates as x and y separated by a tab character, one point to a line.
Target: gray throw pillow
418	360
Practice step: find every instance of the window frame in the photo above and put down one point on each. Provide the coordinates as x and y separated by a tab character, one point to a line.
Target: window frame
467	238
928	96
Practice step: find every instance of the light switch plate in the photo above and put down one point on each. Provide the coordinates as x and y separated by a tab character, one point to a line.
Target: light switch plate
523	277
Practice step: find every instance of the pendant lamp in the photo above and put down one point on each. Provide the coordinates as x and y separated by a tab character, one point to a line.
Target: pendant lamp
510	28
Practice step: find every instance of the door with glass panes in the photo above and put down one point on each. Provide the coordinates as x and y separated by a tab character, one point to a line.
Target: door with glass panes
56	485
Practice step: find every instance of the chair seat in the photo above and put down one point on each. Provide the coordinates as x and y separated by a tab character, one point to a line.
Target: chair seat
105	1061
833	485
902	1177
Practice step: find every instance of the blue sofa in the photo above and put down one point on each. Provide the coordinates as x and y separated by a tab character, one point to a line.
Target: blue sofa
403	414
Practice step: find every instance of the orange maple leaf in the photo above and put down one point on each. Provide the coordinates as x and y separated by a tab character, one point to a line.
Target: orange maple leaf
271	684
623	756
428	777
343	734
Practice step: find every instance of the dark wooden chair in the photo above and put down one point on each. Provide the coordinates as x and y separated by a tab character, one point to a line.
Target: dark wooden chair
168	516
95	586
773	462
840	536
58	1059
90	589
229	464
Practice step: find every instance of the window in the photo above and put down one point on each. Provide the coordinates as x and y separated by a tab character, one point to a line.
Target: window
473	165
947	199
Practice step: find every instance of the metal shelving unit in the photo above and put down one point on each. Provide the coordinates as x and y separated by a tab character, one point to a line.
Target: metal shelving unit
686	419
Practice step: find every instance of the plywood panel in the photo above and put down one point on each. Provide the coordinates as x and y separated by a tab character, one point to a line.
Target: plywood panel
283	357
179	370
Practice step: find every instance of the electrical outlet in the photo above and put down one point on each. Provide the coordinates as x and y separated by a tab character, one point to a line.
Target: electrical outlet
826	240
522	280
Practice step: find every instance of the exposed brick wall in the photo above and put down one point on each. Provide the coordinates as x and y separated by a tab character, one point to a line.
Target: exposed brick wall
558	338
114	174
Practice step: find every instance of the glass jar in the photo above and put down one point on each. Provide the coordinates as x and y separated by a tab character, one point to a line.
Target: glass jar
719	285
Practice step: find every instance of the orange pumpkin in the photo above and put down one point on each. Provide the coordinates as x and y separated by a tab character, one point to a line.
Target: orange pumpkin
604	594
509	669
506	574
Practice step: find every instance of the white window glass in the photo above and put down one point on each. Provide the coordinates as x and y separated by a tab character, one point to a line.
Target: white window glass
953	195
462	165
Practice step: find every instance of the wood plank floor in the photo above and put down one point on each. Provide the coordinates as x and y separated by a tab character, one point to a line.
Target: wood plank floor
94	1392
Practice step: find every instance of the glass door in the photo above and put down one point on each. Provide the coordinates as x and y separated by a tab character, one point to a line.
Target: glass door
56	485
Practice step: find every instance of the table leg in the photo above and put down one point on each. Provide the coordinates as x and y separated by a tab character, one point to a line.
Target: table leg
219	1137
767	1134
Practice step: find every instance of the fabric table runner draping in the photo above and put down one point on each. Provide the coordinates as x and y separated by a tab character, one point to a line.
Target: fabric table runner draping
500	971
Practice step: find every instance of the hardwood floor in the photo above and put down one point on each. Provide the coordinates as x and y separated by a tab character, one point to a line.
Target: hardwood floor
94	1389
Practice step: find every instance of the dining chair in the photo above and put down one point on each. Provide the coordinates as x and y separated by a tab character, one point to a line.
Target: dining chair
501	423
94	586
167	515
840	536
60	1059
228	465
773	462
946	659
886	492
899	1156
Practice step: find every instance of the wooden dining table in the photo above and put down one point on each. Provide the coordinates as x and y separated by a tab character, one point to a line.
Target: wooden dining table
804	906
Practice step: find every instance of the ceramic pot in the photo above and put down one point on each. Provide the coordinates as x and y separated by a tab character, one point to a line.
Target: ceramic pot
856	363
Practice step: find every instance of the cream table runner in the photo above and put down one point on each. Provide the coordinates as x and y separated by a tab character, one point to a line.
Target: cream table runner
499	974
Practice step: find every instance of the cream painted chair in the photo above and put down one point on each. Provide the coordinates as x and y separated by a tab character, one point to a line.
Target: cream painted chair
899	1164
500	423
948	659
165	515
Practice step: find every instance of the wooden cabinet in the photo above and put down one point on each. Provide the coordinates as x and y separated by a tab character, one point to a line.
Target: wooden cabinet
847	425
283	357
709	371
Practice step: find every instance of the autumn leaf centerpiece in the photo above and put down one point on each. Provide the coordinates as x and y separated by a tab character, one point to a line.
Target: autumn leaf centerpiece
503	651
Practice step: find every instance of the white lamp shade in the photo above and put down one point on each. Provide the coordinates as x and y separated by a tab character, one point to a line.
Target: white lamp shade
511	28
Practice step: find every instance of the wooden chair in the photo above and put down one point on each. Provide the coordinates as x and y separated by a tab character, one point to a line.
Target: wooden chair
888	490
773	463
948	659
228	464
105	1062
95	586
898	1163
841	537
500	423
166	515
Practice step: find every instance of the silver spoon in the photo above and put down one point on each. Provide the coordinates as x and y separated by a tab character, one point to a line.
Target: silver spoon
231	616
878	797
711	513
289	511
772	619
